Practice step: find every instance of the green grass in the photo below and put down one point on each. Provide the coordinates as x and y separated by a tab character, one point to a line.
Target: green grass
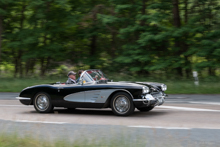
8	140
15	141
174	86
188	87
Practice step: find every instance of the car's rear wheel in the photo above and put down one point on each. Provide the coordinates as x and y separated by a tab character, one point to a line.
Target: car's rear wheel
145	109
42	103
122	104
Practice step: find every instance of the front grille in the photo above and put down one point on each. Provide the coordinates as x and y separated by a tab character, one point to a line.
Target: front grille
157	94
154	90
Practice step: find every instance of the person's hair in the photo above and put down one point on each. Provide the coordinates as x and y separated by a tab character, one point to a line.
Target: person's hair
71	73
80	71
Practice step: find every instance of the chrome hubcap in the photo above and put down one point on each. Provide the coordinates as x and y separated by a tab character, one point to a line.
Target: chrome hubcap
42	102
121	104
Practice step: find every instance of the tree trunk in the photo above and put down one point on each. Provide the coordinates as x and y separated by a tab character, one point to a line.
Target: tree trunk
20	63
143	23
143	11
188	67
177	24
32	64
1	32
15	66
44	60
185	46
176	14
44	65
93	45
27	67
113	43
93	49
20	52
211	71
186	11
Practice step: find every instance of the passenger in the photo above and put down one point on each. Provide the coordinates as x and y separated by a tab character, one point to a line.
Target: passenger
72	78
79	72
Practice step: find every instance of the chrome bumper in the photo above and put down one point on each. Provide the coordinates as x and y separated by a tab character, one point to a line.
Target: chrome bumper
23	98
148	98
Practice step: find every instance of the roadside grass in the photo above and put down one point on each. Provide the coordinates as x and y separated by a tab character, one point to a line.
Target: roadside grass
175	86
188	87
9	140
126	140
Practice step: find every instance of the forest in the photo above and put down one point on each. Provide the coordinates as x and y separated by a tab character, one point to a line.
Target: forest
139	37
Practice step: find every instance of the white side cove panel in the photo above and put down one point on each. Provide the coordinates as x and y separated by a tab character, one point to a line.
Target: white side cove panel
76	97
100	96
92	96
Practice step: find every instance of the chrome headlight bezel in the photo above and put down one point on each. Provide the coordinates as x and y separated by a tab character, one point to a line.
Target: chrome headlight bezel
164	87
145	89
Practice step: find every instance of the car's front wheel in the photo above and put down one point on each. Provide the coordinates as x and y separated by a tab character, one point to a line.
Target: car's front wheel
145	109
42	103
122	104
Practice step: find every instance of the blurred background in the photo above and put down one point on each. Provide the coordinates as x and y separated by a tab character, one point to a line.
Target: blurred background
134	40
161	41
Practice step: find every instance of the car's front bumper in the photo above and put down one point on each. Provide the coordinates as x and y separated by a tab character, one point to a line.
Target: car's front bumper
150	100
24	100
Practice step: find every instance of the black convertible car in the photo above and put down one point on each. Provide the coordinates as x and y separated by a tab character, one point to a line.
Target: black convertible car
94	90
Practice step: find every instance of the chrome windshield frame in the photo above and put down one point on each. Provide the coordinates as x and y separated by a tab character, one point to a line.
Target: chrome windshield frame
89	77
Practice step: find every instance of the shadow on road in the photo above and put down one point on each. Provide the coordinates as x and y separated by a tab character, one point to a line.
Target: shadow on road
83	111
100	112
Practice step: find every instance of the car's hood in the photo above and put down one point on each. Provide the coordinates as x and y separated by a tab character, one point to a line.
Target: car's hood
150	84
124	83
136	84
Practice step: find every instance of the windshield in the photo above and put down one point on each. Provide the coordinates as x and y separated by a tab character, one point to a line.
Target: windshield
97	75
93	75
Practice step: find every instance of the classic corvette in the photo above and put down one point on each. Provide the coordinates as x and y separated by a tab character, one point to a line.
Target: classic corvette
95	90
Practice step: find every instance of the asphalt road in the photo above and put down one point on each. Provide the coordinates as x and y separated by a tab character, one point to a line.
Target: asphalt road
183	120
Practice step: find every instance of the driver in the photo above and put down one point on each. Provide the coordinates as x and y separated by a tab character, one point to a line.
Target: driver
72	78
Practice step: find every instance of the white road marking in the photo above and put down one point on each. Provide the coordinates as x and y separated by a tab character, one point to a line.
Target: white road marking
14	105
174	128
194	102
208	103
44	122
178	97
168	101
147	127
166	107
160	127
188	109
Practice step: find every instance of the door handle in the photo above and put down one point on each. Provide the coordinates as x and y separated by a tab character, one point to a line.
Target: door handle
60	88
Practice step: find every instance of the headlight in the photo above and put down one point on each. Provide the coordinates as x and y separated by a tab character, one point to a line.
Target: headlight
146	89
164	87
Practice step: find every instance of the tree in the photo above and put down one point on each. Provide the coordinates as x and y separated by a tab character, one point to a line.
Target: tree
4	11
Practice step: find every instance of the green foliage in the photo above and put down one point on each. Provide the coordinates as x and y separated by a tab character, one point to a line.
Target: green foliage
180	86
118	35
